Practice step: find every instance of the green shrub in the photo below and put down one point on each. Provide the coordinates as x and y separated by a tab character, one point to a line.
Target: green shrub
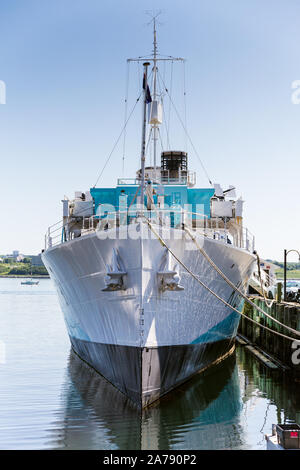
41	270
20	270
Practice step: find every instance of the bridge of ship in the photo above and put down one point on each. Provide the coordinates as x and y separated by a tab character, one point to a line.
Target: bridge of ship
173	203
173	197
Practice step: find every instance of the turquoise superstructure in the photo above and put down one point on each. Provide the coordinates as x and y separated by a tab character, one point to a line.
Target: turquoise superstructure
112	199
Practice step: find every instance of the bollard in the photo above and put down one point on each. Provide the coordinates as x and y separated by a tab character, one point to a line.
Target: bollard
279	292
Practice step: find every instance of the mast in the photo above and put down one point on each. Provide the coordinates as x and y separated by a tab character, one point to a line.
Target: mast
154	58
143	150
154	94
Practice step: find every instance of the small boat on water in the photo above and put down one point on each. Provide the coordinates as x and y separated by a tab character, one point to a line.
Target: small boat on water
30	282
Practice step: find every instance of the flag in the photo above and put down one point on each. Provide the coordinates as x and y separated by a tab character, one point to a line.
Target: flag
148	94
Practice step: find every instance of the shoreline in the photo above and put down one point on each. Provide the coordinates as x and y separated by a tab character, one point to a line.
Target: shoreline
24	276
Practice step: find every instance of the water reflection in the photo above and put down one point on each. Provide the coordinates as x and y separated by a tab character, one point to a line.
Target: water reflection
96	415
279	388
202	414
49	399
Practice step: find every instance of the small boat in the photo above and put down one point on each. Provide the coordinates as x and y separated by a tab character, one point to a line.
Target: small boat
30	282
284	437
263	280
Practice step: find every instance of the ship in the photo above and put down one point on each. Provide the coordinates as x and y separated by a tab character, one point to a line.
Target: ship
151	273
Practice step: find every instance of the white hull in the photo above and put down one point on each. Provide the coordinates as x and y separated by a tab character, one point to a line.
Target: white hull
158	325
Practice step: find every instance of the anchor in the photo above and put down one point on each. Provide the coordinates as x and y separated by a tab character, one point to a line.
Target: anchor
114	278
169	279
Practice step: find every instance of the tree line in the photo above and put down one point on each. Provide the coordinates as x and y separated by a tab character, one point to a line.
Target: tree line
37	270
290	266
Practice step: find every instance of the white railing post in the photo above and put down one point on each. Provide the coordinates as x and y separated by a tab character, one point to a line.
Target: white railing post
247	240
49	239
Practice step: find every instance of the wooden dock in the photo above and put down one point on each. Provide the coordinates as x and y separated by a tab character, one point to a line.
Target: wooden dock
274	348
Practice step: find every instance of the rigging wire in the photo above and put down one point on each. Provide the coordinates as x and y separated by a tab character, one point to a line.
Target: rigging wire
164	114
162	97
171	87
125	116
188	136
147	146
160	94
118	139
120	135
184	105
160	139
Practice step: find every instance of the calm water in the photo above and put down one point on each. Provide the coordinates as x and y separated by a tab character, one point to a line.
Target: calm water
49	399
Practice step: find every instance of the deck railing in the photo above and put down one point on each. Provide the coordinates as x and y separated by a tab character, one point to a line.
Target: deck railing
188	179
225	231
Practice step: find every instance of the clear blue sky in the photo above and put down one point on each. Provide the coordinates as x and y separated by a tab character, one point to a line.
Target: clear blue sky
64	65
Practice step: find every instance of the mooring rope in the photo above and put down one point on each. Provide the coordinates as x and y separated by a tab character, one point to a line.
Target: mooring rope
229	282
236	288
268	304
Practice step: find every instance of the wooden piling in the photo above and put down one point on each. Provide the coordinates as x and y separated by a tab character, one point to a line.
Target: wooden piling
274	345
